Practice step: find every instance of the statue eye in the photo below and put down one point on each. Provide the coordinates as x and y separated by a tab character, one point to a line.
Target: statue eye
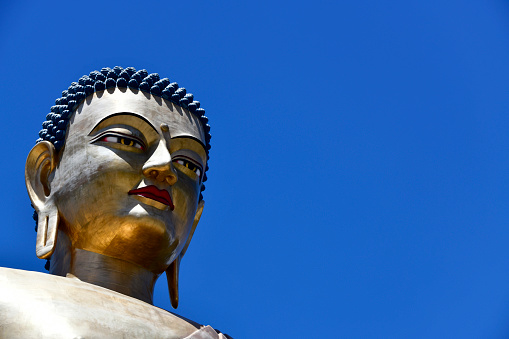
189	164
122	140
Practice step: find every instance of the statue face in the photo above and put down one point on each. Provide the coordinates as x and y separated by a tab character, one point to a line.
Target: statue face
128	181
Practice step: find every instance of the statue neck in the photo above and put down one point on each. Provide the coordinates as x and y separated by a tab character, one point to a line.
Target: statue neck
94	268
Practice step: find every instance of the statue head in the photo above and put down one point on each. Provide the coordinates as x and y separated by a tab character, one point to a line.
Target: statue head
119	169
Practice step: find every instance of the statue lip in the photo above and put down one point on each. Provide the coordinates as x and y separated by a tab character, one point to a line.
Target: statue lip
154	193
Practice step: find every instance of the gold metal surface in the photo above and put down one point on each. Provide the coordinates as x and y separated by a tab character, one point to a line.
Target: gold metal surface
37	305
117	206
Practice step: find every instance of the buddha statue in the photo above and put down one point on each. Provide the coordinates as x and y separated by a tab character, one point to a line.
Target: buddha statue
115	180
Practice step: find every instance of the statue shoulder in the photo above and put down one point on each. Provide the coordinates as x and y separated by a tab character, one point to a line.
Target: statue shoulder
34	304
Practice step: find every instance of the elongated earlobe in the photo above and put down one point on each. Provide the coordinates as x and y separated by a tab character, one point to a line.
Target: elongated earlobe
172	275
47	227
172	272
40	163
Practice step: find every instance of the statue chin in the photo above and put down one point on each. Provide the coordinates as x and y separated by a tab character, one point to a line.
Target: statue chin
115	180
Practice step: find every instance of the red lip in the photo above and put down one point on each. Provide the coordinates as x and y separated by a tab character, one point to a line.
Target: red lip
154	193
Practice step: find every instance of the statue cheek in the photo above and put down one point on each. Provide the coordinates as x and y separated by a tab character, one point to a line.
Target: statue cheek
185	195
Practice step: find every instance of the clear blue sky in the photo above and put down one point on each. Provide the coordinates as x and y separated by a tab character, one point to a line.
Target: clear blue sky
359	172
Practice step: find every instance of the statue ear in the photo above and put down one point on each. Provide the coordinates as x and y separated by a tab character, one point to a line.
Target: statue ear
172	272
40	164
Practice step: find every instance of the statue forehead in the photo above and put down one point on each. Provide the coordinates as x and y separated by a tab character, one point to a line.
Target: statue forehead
155	110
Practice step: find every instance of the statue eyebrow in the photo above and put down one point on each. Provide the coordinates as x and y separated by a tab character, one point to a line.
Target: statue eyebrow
191	137
126	113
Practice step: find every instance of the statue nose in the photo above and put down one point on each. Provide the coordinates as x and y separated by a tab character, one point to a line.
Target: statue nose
159	165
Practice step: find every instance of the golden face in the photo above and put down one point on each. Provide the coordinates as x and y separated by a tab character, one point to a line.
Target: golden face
128	181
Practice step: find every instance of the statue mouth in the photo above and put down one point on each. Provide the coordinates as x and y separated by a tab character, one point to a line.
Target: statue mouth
154	193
